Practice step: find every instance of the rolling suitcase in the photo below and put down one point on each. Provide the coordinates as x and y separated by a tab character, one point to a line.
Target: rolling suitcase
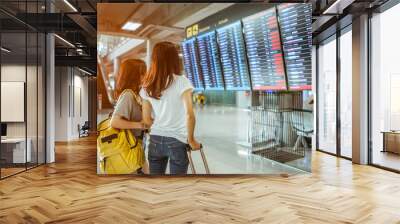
203	157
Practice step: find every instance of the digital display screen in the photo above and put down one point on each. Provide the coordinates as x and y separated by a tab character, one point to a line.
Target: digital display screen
191	63
295	24
210	61
264	51
233	57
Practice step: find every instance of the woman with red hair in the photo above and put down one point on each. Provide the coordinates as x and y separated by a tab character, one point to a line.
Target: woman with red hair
168	109
128	110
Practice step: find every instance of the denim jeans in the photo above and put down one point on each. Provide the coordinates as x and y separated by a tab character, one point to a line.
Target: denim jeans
162	149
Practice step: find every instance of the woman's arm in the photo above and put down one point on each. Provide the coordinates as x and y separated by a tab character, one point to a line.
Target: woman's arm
190	119
121	123
122	113
146	113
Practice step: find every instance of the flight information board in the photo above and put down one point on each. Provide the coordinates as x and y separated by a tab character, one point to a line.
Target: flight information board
296	33
210	61
192	63
233	57
264	51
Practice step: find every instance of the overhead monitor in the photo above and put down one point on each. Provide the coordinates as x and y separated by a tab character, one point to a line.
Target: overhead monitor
210	61
295	26
233	57
191	63
264	51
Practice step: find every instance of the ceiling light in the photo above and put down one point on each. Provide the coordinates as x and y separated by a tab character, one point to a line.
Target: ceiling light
131	26
326	11
337	7
180	54
70	5
5	50
84	71
65	41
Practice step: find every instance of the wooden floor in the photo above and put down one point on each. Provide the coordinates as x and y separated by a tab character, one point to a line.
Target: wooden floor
10	171
69	191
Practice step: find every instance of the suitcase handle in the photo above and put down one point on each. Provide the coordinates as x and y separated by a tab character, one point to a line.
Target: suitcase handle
203	157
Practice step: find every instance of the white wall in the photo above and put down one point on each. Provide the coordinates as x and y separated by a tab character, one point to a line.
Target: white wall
12	73
71	87
80	94
61	103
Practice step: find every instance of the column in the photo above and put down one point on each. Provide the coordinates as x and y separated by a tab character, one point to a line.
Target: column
50	98
360	90
314	92
149	49
116	63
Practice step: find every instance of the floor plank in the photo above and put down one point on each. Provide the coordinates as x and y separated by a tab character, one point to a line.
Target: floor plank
69	191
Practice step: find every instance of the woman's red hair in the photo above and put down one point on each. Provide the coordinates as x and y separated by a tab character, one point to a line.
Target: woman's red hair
130	76
165	63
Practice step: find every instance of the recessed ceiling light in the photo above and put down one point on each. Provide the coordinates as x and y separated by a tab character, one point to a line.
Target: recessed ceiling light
70	5
131	26
5	50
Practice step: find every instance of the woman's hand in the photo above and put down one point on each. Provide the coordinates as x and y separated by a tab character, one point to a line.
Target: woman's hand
194	144
145	126
140	125
121	123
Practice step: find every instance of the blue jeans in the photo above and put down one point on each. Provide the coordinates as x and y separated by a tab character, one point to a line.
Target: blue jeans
162	149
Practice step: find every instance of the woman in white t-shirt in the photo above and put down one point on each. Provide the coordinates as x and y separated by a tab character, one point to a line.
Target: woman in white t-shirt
168	109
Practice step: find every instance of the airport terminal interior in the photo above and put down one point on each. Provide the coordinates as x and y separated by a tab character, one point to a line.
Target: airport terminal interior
262	124
299	96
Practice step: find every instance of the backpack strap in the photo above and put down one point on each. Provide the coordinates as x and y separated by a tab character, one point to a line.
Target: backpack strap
135	96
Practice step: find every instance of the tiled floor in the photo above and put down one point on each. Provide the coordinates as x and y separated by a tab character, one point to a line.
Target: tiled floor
220	129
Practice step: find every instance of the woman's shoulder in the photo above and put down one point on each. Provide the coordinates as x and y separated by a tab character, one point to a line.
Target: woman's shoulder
181	79
129	95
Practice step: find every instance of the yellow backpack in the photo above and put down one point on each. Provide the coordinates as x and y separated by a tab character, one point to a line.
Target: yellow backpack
120	151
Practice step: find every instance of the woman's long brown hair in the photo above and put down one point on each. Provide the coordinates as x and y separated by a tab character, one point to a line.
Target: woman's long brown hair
165	63
130	76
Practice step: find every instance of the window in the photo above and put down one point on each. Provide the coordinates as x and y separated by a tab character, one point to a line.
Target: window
22	77
327	95
385	89
346	93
